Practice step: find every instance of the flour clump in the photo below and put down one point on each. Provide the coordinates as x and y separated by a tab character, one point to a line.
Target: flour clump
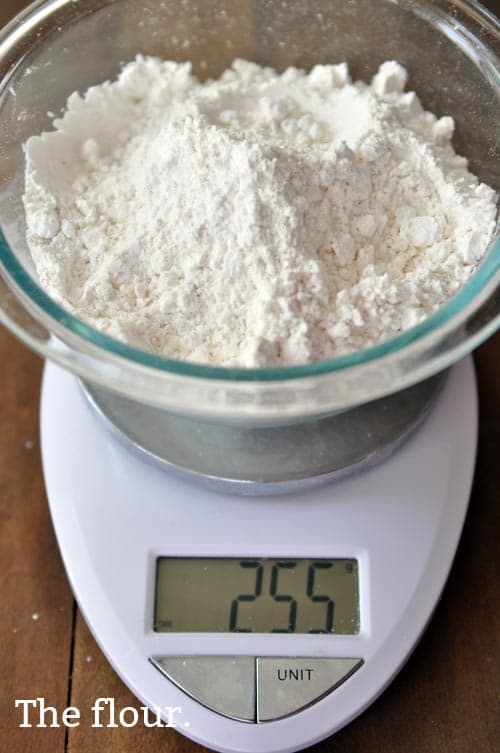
256	220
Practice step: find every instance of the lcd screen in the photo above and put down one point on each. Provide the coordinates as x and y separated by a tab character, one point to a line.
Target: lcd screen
221	595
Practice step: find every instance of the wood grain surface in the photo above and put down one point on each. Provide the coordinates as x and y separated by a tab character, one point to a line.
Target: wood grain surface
445	700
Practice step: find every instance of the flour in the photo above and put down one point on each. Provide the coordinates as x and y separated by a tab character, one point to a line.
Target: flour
256	220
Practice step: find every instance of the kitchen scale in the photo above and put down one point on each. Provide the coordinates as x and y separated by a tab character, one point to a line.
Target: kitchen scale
269	622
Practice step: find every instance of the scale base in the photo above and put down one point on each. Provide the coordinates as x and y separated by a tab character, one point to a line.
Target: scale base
256	460
114	515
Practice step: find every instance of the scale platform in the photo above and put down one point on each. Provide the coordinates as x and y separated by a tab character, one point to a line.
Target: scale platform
268	623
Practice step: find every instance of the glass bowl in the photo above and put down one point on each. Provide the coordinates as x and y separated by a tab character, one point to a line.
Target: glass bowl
58	46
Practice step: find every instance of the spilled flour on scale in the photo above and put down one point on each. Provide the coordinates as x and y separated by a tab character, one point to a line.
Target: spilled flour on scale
256	220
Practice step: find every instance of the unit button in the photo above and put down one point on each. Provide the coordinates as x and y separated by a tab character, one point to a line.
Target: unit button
221	683
285	686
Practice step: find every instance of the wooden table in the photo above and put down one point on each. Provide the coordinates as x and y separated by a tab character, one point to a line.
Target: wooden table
445	700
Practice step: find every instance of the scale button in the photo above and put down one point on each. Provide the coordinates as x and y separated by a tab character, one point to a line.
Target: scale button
285	686
221	683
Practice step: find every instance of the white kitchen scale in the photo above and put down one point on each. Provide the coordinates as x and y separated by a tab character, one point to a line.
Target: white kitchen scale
271	622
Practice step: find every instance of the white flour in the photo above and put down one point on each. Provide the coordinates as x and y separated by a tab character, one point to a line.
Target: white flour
255	220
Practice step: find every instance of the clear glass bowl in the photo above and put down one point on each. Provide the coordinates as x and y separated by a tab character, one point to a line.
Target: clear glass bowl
52	48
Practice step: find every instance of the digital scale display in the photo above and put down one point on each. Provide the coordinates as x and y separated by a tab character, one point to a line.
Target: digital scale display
221	595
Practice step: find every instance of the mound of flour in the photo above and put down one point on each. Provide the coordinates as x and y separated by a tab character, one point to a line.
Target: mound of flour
256	220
